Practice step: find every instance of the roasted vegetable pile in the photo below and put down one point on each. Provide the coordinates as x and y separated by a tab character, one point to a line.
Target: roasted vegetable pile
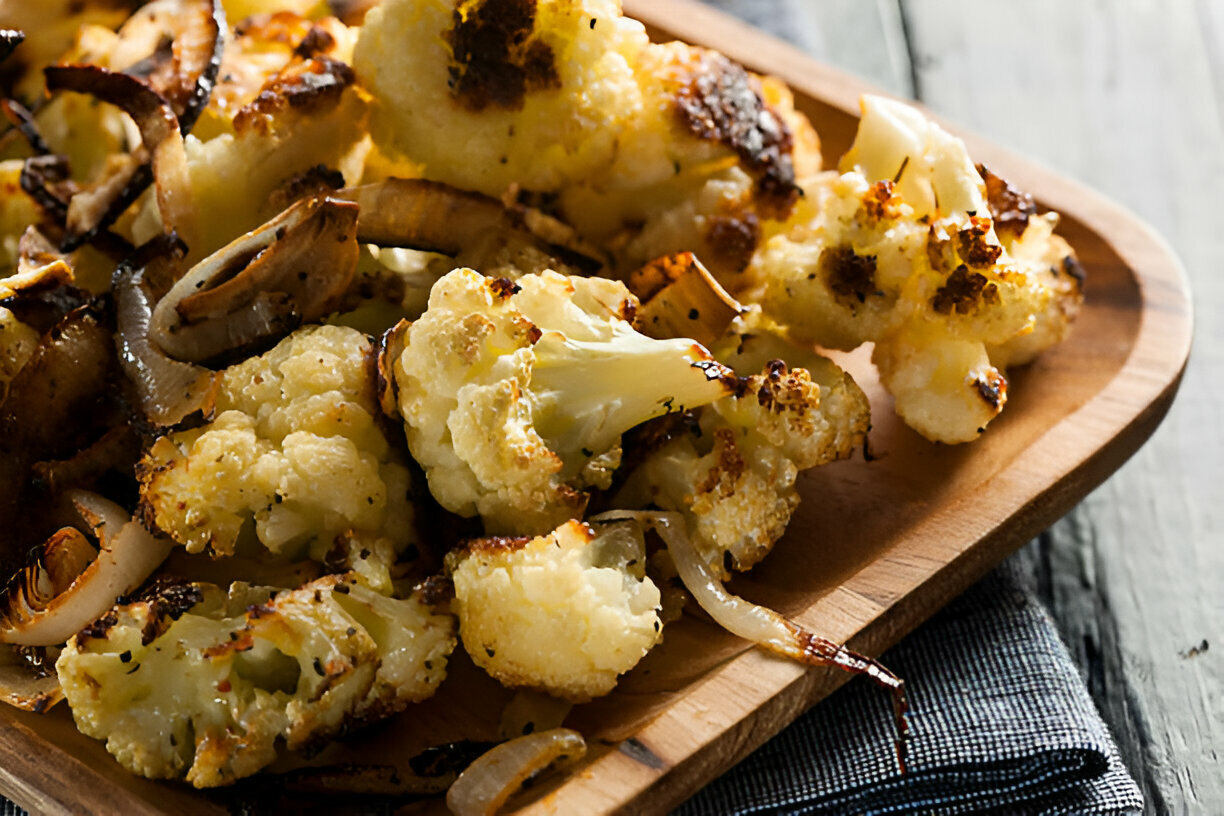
335	335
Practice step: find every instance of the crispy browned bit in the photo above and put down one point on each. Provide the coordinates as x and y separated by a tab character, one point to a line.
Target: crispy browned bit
436	590
972	245
495	59
733	239
318	180
317	40
993	390
728	467
849	276
964	292
302	85
495	544
1072	268
503	288
880	203
720	101
1010	207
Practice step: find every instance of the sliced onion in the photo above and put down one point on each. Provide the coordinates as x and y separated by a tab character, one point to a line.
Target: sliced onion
33	279
186	72
294	268
760	625
389	348
116	450
161	144
680	298
435	217
30	615
493	778
169	390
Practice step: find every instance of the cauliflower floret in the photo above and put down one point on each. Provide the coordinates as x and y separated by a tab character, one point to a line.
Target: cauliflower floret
650	148
187	683
901	250
565	612
295	447
732	472
514	395
713	155
492	93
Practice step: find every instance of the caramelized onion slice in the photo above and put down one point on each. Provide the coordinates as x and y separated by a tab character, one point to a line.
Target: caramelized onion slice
760	625
680	298
493	778
294	268
169	390
175	45
37	610
161	144
435	217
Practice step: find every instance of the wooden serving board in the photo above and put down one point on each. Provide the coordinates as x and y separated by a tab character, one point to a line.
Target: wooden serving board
875	548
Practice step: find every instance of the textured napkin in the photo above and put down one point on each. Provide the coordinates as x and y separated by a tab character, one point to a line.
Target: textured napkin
1001	722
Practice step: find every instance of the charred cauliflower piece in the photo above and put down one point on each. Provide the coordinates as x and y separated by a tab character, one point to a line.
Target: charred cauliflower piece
902	250
514	394
295	448
186	683
565	613
493	93
713	156
648	148
732	472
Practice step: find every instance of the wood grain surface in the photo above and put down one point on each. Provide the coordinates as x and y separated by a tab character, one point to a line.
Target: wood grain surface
1126	97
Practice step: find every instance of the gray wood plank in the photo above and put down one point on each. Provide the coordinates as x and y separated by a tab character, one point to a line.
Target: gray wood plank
1126	97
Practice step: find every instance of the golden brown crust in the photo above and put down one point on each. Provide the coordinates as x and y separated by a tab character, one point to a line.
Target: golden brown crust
964	292
718	100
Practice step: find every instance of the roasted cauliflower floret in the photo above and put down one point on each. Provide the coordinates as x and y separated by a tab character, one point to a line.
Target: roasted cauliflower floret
901	250
295	448
565	613
714	154
649	148
514	395
731	472
189	683
493	93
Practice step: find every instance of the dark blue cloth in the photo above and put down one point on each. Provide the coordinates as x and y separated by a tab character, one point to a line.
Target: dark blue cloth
1001	722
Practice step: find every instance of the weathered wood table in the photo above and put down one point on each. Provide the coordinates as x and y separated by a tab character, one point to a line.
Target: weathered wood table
1127	98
